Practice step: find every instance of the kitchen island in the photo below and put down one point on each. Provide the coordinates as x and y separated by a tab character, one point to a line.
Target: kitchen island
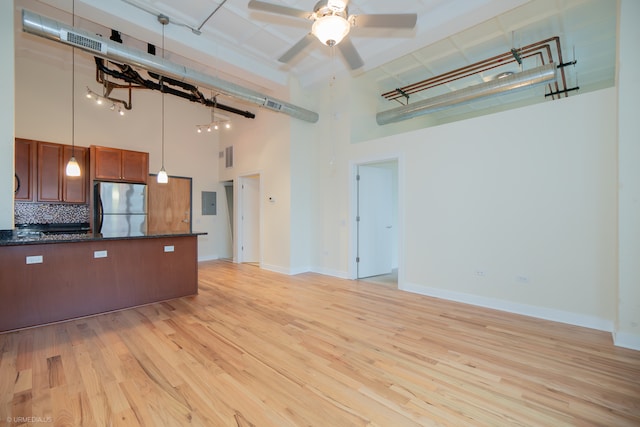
50	278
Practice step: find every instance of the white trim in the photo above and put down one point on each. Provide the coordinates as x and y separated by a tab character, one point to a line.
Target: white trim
238	199
561	316
299	270
208	258
276	269
353	202
330	272
626	340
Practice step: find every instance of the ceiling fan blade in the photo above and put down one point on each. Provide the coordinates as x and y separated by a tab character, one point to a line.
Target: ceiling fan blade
399	20
297	48
275	8
350	54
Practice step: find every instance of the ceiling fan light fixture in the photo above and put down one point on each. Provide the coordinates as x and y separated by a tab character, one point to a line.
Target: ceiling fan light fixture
330	29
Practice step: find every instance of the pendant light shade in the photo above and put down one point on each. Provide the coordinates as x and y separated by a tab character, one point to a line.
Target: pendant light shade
73	168
163	178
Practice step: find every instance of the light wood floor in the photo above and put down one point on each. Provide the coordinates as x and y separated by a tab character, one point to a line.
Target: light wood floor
256	348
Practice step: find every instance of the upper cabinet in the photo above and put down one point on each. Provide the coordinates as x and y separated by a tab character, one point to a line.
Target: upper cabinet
50	172
75	189
112	164
25	169
40	173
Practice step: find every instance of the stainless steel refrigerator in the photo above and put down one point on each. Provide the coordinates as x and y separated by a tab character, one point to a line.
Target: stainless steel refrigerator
120	209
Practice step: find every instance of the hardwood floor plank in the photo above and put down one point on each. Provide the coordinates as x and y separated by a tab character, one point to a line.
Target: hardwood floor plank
257	348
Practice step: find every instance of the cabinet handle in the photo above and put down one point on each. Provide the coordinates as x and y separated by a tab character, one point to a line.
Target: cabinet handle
17	184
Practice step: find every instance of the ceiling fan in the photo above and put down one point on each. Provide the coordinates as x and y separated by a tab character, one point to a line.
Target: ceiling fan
331	25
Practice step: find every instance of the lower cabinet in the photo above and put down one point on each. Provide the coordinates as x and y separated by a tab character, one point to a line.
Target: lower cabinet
45	283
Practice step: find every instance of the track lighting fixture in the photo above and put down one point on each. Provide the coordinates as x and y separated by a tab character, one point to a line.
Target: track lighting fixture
100	100
215	122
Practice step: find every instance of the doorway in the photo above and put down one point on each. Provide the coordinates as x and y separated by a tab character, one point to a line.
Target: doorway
376	205
248	244
229	238
169	205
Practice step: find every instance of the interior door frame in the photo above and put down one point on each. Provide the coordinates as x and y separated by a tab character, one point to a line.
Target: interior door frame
353	210
239	210
154	177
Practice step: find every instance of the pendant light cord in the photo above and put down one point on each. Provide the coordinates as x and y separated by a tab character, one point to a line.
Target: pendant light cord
73	85
162	91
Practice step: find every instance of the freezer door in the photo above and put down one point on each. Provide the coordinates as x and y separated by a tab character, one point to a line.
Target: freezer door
119	225
119	198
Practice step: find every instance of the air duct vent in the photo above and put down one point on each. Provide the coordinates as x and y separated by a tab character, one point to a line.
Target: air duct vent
273	105
83	41
59	32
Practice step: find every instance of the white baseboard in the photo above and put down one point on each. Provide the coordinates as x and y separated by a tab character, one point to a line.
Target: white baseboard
276	269
207	258
328	272
561	316
626	340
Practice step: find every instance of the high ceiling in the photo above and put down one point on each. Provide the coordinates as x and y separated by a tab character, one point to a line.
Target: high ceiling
449	34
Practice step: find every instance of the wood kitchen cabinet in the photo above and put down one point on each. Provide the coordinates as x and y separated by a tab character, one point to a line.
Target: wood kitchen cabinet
113	164
40	170
75	188
50	171
25	168
53	183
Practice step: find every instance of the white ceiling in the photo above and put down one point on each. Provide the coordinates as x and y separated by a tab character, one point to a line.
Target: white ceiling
449	34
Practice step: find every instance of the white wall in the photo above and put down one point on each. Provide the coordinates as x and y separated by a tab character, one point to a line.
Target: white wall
525	196
628	319
262	146
6	115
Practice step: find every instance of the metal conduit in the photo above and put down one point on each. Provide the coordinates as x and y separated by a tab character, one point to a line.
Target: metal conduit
54	30
522	80
534	49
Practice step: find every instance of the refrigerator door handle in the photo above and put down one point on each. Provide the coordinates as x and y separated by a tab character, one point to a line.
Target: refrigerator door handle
99	209
101	214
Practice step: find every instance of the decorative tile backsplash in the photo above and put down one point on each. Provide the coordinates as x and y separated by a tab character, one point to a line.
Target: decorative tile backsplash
47	213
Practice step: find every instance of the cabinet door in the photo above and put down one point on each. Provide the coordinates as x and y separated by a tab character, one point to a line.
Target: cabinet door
49	172
108	163
25	158
135	166
74	188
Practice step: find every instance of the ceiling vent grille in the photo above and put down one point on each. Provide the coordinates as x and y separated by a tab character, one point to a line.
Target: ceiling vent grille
272	105
228	154
83	41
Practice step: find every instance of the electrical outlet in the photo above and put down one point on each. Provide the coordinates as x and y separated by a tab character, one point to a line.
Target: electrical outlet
99	254
481	273
522	279
35	259
169	248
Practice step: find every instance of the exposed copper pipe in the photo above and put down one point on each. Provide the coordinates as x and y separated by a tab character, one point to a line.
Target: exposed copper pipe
490	63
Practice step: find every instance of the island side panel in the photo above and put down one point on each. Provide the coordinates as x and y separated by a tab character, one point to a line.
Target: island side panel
76	279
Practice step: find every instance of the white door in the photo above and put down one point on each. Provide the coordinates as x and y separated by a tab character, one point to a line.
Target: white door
250	219
374	221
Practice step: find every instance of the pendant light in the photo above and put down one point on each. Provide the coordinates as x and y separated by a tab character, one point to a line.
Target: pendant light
162	177
73	168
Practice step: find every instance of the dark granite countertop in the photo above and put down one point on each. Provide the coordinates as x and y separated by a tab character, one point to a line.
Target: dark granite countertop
36	239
